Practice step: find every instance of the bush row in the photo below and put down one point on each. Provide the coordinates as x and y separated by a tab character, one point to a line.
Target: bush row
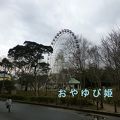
49	99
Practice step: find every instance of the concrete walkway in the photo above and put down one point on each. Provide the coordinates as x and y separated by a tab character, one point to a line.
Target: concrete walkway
110	108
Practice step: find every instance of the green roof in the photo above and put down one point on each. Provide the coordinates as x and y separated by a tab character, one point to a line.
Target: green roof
73	81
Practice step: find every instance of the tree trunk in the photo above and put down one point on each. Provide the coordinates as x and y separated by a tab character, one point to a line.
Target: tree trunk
35	77
26	87
97	105
102	97
115	106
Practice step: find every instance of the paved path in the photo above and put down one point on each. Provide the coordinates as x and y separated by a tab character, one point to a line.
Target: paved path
36	112
110	108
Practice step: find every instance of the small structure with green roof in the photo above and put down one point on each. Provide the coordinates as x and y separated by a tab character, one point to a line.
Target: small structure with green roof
74	83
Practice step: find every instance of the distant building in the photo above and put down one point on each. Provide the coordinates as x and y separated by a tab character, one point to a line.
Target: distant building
5	76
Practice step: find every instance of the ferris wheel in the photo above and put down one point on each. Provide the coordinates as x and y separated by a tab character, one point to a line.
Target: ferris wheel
57	45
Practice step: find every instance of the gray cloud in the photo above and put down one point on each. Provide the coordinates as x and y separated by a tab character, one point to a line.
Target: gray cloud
39	20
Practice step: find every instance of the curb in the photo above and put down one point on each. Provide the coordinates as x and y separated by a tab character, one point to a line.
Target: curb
71	108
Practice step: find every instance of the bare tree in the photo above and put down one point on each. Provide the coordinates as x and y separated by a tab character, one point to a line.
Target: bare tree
94	65
76	55
111	58
111	54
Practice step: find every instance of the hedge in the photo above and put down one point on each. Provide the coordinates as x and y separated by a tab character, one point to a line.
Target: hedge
49	99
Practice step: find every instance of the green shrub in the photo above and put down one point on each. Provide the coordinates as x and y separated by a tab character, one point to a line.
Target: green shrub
44	99
50	99
14	97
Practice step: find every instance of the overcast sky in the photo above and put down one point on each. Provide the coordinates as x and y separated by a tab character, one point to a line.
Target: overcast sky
40	20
